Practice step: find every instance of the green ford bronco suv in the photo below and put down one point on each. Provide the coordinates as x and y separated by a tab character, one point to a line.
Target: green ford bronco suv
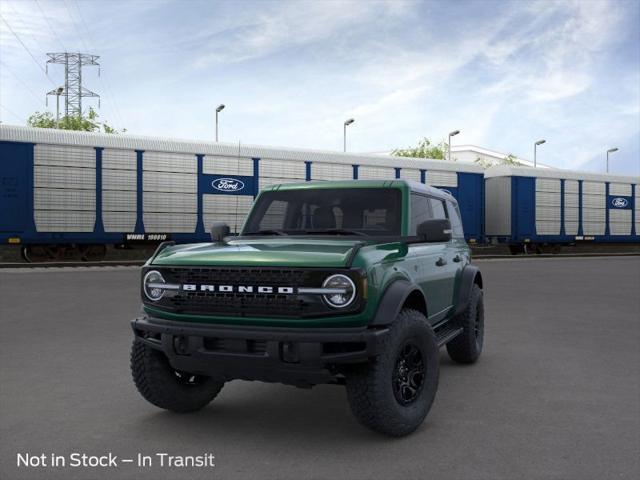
356	283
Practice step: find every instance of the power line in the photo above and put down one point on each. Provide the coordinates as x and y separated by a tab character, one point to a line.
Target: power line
27	49
105	82
12	113
44	15
32	92
75	27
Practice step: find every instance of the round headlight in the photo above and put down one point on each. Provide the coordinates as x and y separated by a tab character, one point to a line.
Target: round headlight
151	287
345	291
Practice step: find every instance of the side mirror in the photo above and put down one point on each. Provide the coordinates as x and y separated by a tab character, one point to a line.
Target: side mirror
219	230
436	230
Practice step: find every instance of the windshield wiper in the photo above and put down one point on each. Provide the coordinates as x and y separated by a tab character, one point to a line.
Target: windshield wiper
267	232
337	231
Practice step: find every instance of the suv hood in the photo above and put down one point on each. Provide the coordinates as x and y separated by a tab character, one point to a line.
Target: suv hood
281	252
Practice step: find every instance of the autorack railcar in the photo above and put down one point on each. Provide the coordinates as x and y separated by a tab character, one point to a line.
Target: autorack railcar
67	191
532	210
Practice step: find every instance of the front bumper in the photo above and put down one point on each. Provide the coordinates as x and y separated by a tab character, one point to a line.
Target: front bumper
297	356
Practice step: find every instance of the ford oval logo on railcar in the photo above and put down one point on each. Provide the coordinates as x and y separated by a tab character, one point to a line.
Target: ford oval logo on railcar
619	202
228	184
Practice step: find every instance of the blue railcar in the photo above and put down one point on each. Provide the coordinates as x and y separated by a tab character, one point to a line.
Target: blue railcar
64	190
532	208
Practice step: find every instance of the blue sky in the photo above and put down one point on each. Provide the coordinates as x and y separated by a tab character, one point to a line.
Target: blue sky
504	73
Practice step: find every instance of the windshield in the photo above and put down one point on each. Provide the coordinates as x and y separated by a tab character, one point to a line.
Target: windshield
331	211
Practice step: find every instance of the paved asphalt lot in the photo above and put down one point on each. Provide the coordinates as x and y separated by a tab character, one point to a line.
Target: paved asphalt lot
556	394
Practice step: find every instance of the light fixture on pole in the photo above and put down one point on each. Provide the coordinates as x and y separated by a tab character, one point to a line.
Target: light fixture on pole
344	136
451	134
611	150
218	110
535	152
59	91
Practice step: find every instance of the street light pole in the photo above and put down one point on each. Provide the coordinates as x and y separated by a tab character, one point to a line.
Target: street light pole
535	152
218	110
58	93
451	134
611	150
344	135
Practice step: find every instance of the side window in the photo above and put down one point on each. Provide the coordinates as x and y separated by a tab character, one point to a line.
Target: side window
438	208
456	222
273	218
420	211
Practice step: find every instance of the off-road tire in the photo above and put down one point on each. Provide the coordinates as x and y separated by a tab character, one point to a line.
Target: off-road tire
467	347
370	387
164	387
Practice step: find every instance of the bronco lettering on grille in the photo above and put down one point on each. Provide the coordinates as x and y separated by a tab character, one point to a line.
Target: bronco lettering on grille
191	287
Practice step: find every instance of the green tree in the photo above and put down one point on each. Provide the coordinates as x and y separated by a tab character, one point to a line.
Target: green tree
88	123
510	159
424	149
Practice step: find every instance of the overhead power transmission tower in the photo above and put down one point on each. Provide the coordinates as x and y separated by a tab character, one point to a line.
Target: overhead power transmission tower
73	91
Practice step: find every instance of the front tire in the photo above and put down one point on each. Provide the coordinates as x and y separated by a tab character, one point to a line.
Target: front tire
467	347
393	394
165	387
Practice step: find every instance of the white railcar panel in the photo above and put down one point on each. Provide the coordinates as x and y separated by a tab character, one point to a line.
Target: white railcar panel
376	173
571	186
571	214
547	185
64	177
170	202
226	203
331	171
119	201
620	222
551	199
598	188
64	156
64	220
231	209
63	199
571	228
116	159
594	214
620	189
170	182
439	178
119	221
637	204
594	201
267	182
227	165
282	169
544	227
411	174
123	180
497	208
169	162
170	222
571	199
593	228
548	213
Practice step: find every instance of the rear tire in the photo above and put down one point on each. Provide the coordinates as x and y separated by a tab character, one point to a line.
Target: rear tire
393	394
165	387
467	347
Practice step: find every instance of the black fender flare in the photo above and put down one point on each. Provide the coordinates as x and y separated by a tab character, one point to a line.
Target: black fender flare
392	301
470	275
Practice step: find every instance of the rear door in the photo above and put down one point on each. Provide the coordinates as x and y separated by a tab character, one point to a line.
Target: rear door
431	263
449	261
14	187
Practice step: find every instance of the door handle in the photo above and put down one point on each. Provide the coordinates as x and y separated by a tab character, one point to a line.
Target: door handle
457	258
441	262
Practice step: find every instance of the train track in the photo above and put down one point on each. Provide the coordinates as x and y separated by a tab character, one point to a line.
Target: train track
137	263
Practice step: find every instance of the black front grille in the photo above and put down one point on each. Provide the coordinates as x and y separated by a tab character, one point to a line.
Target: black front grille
244	304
